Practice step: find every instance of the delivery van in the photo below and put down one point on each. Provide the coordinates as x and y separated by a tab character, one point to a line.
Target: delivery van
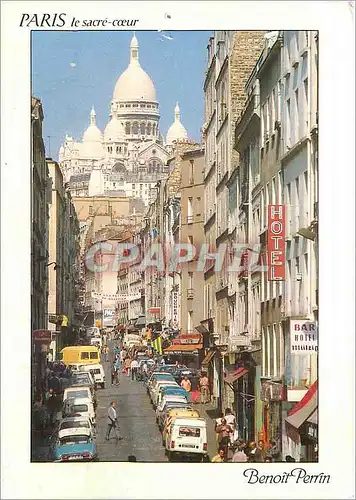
83	354
97	372
187	437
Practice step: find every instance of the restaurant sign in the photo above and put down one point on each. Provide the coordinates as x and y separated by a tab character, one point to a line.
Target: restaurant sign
276	246
188	339
303	337
42	335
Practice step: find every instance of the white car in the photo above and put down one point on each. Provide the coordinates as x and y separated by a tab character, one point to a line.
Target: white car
70	424
80	407
154	390
77	392
170	401
97	371
187	437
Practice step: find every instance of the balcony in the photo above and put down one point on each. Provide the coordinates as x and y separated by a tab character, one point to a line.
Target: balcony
190	219
190	293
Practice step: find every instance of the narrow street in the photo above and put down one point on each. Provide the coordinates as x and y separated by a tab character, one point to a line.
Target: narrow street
137	422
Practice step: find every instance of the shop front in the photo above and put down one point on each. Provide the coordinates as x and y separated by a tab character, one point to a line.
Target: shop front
272	396
187	349
41	340
301	427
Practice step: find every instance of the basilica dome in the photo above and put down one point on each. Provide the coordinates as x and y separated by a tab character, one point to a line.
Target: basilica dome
114	131
176	131
134	84
91	146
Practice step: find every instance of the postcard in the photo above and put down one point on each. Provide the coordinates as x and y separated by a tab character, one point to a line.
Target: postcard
172	295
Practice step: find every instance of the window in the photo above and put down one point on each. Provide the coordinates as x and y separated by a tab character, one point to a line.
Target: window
273	110
91	209
190	321
190	280
93	355
190	210
275	369
288	125
190	240
297	111
274	192
268	350
84	355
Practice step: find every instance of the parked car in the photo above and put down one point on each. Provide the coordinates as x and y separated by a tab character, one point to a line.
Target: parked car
171	391
170	401
171	415
158	376
76	445
156	387
77	392
81	406
76	422
187	438
97	372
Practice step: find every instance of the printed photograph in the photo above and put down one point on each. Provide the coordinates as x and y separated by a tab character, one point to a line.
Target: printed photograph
174	246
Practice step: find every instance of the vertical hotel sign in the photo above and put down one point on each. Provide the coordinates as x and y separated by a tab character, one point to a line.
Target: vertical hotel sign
276	246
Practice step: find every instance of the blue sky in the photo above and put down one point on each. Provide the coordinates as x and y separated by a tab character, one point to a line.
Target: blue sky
177	68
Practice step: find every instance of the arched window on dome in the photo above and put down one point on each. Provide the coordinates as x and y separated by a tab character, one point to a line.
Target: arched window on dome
149	129
117	149
154	129
120	149
128	128
135	128
142	129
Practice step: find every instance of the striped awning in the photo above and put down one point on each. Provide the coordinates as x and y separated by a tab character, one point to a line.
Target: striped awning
305	408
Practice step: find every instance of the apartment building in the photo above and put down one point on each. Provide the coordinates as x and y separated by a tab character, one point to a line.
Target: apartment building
63	266
300	179
192	232
39	240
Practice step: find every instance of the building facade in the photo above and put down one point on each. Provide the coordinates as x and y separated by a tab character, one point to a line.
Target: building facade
39	241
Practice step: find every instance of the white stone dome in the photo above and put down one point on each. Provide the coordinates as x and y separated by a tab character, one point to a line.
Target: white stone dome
114	131
92	133
176	131
134	84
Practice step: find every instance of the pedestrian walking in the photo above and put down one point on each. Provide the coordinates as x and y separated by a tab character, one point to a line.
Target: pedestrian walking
195	389
113	376
144	372
134	366
231	420
112	422
224	431
204	389
127	365
260	452
186	384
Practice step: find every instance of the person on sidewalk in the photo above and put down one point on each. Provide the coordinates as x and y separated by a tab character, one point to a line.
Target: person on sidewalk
134	366
260	451
224	431
231	420
186	384
112	422
239	455
127	366
195	393
219	458
204	389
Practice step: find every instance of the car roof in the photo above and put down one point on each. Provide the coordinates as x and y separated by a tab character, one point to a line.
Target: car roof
188	421
75	431
78	401
75	419
79	388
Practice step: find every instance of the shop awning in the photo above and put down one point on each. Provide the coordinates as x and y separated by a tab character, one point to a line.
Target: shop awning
208	357
313	419
305	408
231	377
181	348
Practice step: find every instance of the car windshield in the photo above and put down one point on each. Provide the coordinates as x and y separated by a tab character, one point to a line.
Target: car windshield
73	424
77	439
77	394
80	380
79	408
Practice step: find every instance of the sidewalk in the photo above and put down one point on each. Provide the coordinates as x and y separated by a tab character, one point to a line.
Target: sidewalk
210	413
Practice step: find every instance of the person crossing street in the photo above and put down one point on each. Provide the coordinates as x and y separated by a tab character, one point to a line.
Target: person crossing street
112	422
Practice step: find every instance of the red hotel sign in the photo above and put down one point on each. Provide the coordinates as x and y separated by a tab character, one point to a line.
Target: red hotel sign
276	245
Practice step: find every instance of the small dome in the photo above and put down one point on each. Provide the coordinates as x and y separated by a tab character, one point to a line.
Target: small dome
92	133
114	131
134	84
176	131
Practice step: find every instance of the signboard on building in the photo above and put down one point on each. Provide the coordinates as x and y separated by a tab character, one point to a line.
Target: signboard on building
42	335
154	310
109	317
276	246
175	317
303	337
193	338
